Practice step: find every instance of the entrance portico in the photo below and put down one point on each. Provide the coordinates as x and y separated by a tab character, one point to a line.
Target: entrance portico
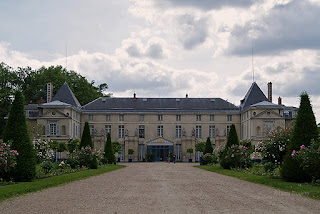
160	148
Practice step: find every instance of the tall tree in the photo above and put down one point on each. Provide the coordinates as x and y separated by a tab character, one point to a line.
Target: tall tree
209	148
16	131
108	151
304	131
86	137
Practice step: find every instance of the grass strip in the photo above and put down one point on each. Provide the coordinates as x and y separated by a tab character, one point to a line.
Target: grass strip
304	189
21	188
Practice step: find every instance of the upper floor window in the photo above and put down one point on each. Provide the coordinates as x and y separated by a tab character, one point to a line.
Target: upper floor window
198	117
90	117
121	117
121	131
211	117
178	131
198	132
178	117
91	130
229	117
160	117
141	131
228	130
108	117
160	131
141	117
53	129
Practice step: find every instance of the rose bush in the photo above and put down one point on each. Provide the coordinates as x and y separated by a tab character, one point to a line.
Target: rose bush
8	160
209	159
85	157
236	156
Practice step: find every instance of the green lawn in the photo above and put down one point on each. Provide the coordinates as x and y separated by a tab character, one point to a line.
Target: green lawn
303	189
21	188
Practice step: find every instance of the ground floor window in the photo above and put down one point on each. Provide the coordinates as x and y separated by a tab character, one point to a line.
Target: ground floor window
178	152
121	131
141	131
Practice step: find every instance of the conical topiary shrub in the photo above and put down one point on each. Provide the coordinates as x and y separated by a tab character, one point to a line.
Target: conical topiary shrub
232	137
304	131
86	137
16	131
108	156
208	148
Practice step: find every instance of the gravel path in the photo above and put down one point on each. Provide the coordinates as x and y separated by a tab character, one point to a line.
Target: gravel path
160	188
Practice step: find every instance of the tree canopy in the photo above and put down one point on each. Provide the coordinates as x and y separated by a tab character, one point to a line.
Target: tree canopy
32	84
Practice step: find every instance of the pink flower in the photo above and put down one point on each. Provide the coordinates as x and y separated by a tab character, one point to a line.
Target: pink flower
226	157
293	153
302	147
232	155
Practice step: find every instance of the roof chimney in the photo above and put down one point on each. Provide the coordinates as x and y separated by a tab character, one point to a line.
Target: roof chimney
186	95
134	96
49	92
270	91
279	101
41	100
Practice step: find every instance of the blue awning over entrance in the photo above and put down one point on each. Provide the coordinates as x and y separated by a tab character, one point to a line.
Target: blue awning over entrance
160	142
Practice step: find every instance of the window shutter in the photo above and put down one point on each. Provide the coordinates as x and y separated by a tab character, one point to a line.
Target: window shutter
58	129
47	129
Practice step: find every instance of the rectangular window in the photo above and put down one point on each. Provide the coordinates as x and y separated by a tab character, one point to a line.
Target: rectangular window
121	131
108	129
90	117
74	129
198	117
178	117
159	117
178	131
198	131
91	130
211	117
160	131
108	117
212	131
229	117
121	117
141	131
228	130
53	129
142	117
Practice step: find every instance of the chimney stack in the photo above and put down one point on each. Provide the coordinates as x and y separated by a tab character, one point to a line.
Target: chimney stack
49	92
270	92
186	95
41	100
134	96
279	101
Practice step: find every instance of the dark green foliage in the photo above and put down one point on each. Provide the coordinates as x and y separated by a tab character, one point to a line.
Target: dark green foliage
108	156
16	131
86	137
305	128
208	148
73	144
209	159
117	148
304	131
58	146
232	137
200	147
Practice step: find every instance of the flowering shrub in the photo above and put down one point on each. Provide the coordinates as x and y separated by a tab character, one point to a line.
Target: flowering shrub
274	149
85	157
236	156
309	159
209	159
8	160
43	150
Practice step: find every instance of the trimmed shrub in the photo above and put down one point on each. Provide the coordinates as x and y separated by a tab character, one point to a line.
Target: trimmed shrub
232	137
208	148
209	159
108	157
87	157
86	137
16	131
236	157
304	131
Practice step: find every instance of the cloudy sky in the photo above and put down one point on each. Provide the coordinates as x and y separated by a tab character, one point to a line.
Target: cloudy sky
167	48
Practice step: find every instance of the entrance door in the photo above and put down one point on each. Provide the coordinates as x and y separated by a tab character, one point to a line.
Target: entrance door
160	152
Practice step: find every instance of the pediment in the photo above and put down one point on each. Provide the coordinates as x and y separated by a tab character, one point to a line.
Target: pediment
53	113
160	141
263	114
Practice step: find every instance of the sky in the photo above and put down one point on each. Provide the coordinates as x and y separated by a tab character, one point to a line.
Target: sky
170	48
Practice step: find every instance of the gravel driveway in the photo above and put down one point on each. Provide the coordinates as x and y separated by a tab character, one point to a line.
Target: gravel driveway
160	188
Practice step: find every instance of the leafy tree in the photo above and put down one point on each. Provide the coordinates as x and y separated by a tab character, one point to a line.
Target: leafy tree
200	147
232	137
108	156
117	148
16	131
208	148
130	152
304	131
190	151
86	137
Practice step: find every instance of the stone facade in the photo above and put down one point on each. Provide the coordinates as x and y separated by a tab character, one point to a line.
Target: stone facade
158	125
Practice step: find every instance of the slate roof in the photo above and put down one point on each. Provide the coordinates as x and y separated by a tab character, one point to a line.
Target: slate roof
56	103
253	96
266	104
112	104
65	95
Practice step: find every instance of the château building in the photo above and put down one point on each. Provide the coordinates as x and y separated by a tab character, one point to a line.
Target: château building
158	125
